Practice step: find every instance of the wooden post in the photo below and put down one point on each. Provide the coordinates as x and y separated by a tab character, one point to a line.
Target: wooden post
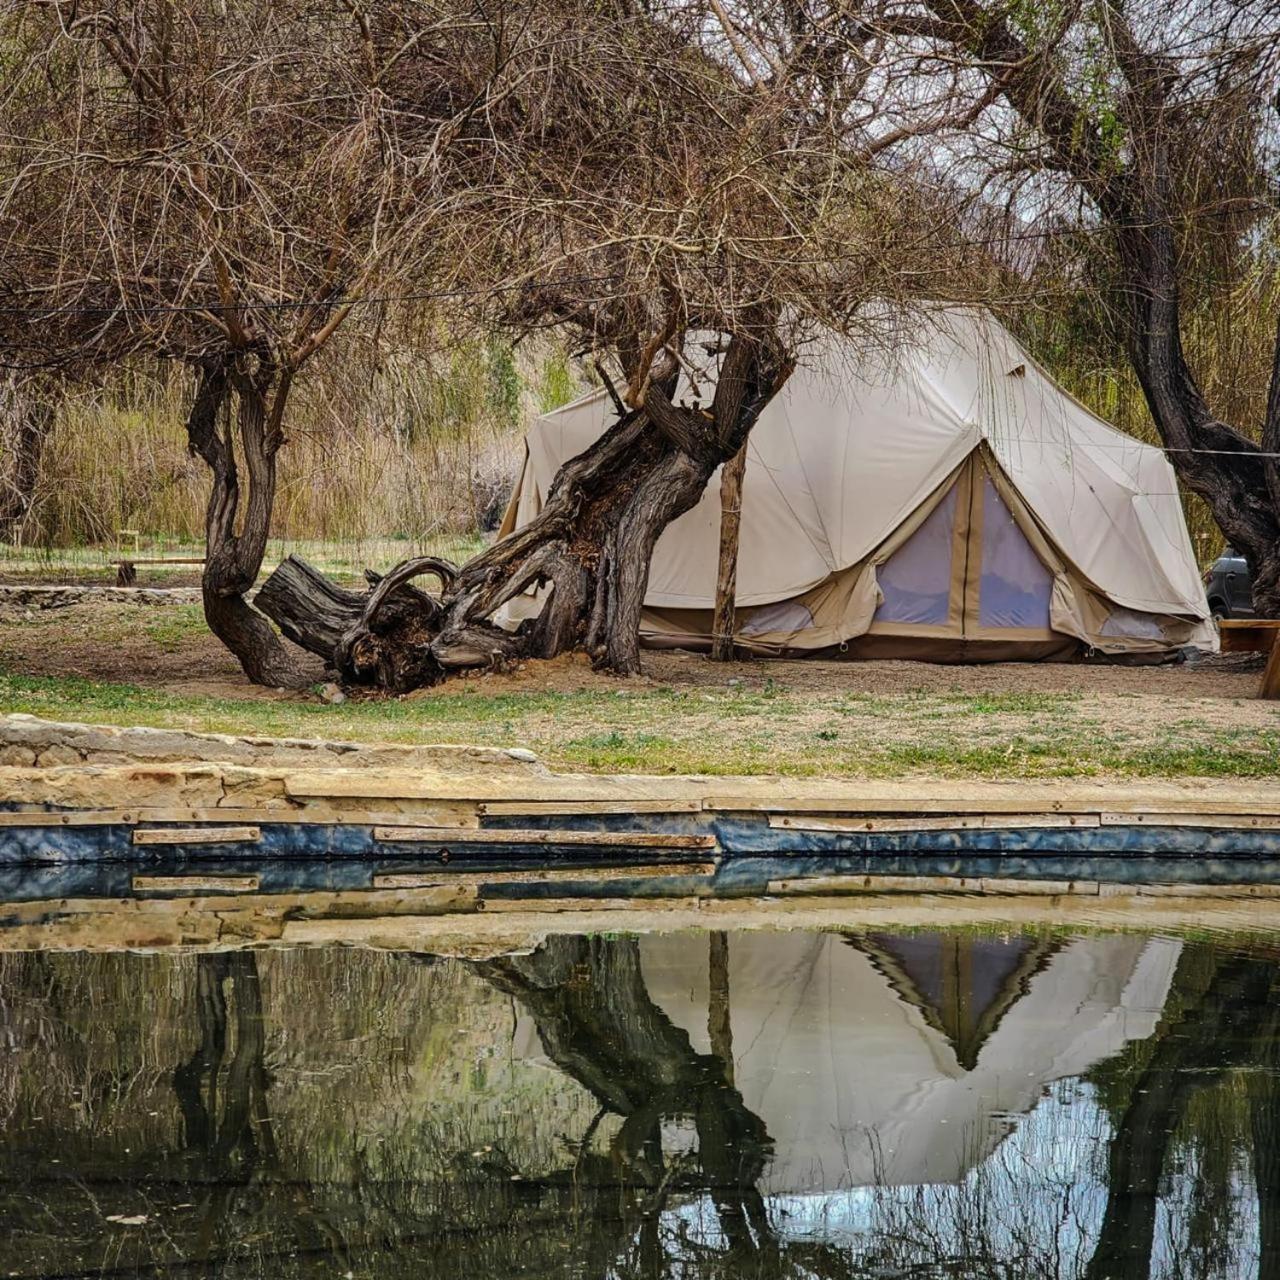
727	571
1271	674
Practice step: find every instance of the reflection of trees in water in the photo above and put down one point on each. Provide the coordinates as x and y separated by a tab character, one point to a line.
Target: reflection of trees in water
599	1025
665	1179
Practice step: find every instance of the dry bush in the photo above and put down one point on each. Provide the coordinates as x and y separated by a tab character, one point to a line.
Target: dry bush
420	447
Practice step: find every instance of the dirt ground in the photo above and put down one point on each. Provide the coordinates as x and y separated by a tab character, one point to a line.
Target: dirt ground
169	648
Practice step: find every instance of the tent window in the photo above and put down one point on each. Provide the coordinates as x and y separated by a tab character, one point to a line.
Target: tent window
786	615
916	579
1015	586
1131	624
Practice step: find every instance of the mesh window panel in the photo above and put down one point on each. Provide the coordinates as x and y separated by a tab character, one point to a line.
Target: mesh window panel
916	579
1132	624
786	615
1015	586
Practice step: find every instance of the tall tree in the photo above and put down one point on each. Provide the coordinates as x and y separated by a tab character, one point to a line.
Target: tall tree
688	211
1153	144
224	186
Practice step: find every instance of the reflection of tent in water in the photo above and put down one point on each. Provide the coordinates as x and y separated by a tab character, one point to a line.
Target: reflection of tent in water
950	503
902	1060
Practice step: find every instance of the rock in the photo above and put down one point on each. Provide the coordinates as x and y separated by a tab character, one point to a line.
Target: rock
58	754
23	757
523	754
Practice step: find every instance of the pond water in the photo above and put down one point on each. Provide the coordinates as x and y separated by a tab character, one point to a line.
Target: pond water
770	1104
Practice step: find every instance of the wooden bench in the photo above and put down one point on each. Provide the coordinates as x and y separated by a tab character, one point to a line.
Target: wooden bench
1255	635
127	572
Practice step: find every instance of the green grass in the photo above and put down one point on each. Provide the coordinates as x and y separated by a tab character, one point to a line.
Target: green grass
699	730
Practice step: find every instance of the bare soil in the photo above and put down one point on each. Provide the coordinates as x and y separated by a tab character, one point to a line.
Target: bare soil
135	644
684	713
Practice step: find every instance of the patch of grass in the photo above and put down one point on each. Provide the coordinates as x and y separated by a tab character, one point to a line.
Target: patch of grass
669	730
172	629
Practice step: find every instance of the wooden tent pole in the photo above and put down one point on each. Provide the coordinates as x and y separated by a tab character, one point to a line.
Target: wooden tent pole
727	571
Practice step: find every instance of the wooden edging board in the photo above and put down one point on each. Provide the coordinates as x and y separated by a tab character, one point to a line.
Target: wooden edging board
499	835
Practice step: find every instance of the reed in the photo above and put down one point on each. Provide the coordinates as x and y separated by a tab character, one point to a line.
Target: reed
414	449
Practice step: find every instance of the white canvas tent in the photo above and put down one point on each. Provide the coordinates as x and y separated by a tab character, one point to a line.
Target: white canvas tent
857	1079
949	501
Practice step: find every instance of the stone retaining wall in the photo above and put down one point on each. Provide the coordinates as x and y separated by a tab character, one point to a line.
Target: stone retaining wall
26	742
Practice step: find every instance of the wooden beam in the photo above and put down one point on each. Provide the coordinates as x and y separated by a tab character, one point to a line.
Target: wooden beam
1248	635
196	884
975	822
722	619
611	839
1222	821
197	835
862	884
583	808
1270	687
449	815
911	806
541	875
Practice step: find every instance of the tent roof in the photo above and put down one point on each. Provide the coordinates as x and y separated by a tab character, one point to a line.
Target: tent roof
857	440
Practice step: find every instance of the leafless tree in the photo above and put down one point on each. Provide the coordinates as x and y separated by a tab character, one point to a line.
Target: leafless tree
671	200
1141	137
225	185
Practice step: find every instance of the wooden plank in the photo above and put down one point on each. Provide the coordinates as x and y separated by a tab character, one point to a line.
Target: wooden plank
1269	689
613	839
584	808
863	884
197	835
723	614
977	822
1205	890
162	560
1248	635
370	784
901	806
196	884
456	815
1215	821
576	875
994	805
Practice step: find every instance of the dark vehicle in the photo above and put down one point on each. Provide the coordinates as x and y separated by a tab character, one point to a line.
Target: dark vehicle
1229	587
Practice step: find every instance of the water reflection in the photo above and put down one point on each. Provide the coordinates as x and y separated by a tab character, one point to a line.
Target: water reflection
754	1105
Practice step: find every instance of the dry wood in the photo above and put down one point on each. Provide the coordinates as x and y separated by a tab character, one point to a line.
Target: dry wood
1226	820
197	835
861	884
1248	635
477	879
1270	686
722	623
497	836
459	815
194	884
983	822
1260	803
567	808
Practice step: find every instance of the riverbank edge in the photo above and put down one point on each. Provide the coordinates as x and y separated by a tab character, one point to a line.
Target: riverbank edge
47	764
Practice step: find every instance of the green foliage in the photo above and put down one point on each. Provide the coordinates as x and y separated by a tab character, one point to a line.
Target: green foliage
556	383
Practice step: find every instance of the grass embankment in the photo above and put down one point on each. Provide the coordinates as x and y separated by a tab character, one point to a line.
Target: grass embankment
813	720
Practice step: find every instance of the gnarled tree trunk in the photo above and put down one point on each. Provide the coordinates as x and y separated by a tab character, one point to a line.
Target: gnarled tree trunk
233	556
588	550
